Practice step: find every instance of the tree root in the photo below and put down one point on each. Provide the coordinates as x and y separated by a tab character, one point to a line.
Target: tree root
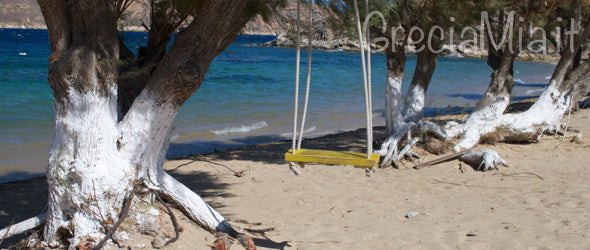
294	168
200	212
389	148
23	226
124	212
484	160
172	218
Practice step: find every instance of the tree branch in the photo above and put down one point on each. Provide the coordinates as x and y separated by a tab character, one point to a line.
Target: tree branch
56	19
183	68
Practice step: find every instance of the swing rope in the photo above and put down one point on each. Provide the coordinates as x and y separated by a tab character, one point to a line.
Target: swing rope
296	143
306	101
369	96
366	79
297	61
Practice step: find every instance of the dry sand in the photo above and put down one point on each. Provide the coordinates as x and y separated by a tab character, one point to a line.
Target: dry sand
540	202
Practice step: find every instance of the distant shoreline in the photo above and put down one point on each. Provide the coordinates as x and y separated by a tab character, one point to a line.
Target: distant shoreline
350	46
126	28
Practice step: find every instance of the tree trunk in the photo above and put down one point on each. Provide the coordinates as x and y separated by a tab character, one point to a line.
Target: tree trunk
101	151
500	88
396	62
414	104
88	179
496	98
403	119
547	111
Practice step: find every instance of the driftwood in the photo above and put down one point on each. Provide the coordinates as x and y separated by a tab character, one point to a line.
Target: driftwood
23	226
442	159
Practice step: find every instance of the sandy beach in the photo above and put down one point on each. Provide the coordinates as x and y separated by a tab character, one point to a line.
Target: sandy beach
540	202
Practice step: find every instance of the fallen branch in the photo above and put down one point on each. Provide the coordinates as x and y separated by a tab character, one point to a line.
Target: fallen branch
465	185
259	231
442	159
23	226
236	173
523	173
245	222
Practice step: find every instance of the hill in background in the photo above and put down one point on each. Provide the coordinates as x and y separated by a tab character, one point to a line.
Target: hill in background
25	14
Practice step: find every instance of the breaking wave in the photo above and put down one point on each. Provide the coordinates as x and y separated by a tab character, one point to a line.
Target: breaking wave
309	130
240	129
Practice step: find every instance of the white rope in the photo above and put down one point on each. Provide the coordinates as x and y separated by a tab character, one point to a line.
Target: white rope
369	86
365	82
306	101
296	144
298	59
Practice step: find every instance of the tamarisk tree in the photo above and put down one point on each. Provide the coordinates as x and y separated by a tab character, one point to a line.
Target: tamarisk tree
114	110
422	25
547	111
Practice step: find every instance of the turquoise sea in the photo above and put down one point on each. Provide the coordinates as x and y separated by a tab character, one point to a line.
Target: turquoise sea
246	98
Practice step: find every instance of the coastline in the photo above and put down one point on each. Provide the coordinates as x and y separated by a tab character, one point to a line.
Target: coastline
347	45
539	201
244	127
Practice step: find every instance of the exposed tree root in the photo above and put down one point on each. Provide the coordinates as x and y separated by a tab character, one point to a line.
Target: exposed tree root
483	160
193	205
389	148
122	216
545	115
294	168
172	218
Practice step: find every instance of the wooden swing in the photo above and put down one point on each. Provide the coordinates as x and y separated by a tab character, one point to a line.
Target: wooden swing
299	155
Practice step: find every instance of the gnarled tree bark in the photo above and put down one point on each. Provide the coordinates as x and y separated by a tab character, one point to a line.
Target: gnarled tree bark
112	130
550	107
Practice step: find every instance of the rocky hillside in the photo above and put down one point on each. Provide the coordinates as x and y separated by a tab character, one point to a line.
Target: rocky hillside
21	14
25	14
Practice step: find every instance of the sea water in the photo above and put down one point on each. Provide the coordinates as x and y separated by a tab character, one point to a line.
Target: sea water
246	98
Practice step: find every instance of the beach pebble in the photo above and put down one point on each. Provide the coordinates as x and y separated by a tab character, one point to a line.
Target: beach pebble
411	214
158	243
472	233
577	139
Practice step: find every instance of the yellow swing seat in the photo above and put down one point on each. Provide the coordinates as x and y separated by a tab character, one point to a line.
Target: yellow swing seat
332	157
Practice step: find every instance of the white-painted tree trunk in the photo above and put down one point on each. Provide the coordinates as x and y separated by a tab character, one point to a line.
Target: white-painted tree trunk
99	158
393	102
546	112
477	120
403	116
88	177
92	171
414	105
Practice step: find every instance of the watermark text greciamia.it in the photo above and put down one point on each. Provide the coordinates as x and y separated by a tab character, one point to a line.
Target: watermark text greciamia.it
476	39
